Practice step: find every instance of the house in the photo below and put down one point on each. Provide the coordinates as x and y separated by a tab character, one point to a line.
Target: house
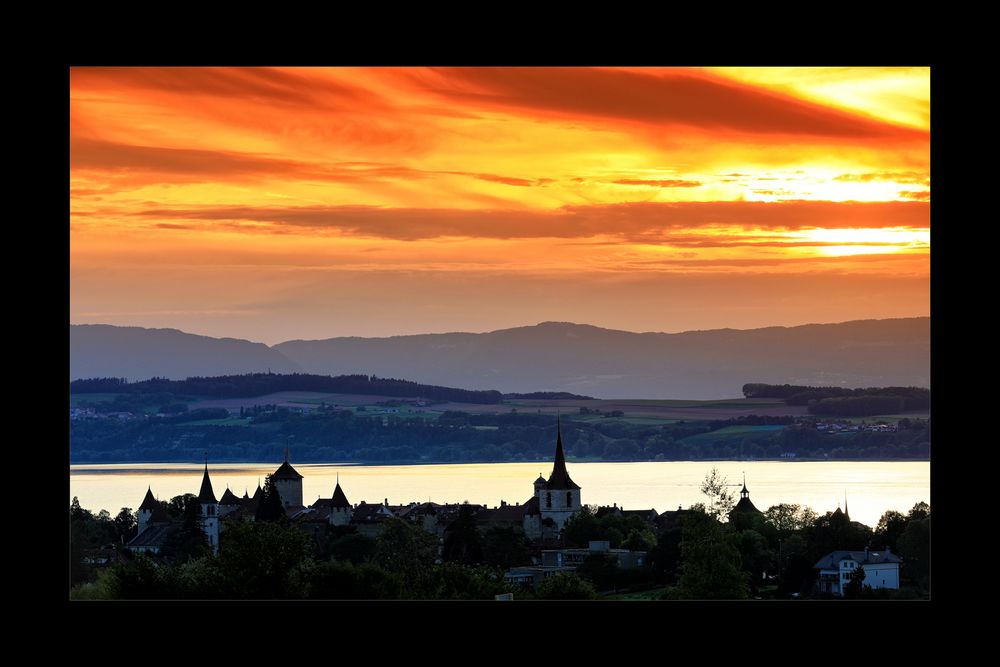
530	576
835	569
573	558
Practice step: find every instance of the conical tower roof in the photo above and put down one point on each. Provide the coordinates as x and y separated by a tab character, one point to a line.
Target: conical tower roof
286	471
229	498
559	479
339	498
206	495
149	502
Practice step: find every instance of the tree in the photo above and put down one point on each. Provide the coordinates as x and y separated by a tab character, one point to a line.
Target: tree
408	551
914	550
710	562
890	527
126	524
505	547
720	499
346	544
784	518
856	584
756	556
345	581
565	586
919	511
261	560
189	540
462	542
270	507
642	539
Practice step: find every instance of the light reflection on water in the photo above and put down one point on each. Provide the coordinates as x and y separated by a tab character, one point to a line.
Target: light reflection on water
871	487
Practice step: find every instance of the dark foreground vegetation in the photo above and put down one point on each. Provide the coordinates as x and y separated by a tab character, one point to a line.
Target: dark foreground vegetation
701	555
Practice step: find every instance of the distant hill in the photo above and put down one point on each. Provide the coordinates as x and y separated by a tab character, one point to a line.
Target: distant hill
552	356
583	359
100	350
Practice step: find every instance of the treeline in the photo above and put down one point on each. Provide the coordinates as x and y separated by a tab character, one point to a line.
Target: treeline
548	396
466	438
700	553
844	402
259	384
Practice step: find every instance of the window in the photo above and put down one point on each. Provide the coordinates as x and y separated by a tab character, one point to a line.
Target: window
569	499
548	499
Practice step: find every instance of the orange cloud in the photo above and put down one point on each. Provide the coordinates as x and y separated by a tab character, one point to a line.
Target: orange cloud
521	172
631	219
689	97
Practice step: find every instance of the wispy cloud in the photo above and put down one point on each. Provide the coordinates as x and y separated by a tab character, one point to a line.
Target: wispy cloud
631	220
690	97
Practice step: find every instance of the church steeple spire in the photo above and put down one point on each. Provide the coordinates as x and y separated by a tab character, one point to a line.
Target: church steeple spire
206	495
559	479
744	493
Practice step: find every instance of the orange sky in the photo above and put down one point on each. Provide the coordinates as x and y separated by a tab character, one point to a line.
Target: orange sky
272	204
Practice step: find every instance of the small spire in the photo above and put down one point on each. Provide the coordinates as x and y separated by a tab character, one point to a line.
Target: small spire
286	453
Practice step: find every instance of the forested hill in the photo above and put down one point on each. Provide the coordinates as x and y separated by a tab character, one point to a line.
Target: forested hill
260	384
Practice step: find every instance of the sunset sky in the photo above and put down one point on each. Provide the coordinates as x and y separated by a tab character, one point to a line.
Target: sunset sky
274	204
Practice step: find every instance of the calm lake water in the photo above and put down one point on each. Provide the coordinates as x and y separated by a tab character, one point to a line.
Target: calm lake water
871	487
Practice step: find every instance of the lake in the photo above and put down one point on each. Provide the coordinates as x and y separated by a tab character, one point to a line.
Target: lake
871	487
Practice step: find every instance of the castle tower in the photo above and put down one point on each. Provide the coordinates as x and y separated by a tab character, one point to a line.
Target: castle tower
341	511
146	510
559	499
229	503
289	484
209	511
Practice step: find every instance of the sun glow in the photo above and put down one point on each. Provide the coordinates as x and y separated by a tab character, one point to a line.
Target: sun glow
305	178
846	242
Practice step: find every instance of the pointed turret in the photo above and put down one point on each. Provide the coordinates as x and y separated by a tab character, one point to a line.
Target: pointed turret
540	483
559	479
206	495
341	511
339	497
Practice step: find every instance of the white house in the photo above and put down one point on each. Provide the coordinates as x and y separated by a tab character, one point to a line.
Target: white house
881	569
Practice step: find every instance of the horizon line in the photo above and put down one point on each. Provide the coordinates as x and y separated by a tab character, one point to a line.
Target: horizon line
490	331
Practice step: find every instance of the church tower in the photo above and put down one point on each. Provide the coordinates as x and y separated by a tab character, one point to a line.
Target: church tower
559	498
146	510
209	511
288	482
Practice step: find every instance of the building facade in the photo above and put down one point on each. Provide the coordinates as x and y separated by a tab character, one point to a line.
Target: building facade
881	569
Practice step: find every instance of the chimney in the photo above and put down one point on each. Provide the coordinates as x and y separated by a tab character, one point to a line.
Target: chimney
386	502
